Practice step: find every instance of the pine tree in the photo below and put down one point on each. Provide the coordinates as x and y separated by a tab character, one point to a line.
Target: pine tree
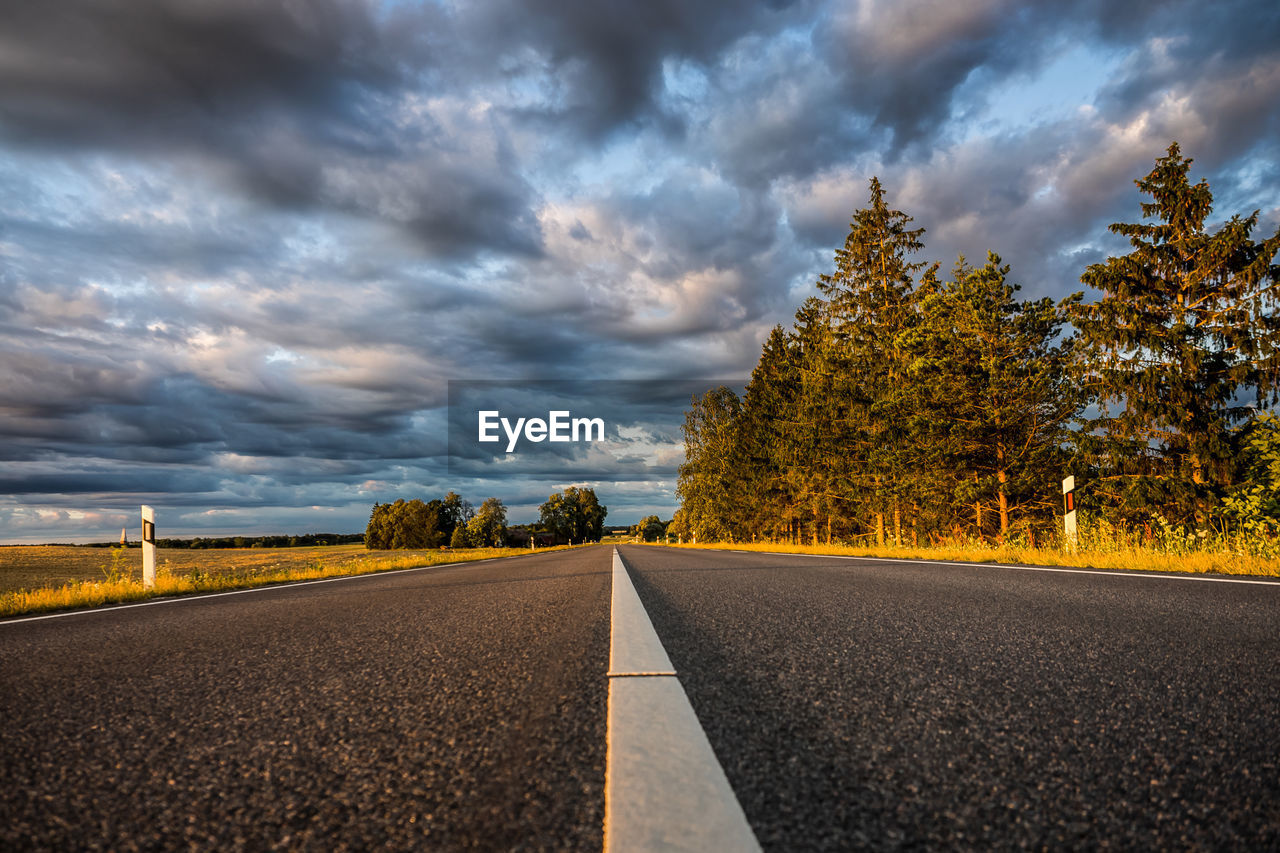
993	402
1185	327
767	433
873	280
377	535
871	298
827	455
710	483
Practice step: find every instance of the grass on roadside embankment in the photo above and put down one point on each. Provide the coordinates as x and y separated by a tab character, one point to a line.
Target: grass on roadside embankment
1227	562
182	572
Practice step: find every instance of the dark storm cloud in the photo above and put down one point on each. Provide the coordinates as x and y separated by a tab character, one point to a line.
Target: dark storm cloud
701	222
66	254
187	420
900	64
148	73
74	483
891	77
607	58
1207	75
302	106
1211	39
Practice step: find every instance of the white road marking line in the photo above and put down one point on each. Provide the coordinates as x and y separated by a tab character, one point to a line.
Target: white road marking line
633	645
664	787
612	674
1134	573
174	599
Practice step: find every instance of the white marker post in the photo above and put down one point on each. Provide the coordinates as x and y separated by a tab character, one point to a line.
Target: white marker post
1069	512
148	547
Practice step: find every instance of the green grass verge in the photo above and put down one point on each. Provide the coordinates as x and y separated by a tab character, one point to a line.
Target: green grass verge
119	590
1203	562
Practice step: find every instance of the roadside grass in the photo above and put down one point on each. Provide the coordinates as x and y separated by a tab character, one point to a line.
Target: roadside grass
36	579
1224	561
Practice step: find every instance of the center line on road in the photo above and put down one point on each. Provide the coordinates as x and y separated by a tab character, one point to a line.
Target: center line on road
664	787
613	674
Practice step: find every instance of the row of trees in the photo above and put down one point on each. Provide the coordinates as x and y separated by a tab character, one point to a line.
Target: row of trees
574	515
274	541
651	528
417	524
904	406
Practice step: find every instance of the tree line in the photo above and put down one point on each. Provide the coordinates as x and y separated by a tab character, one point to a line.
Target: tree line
908	406
651	528
573	515
274	541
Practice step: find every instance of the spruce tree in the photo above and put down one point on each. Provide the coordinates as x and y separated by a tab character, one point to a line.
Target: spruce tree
870	294
1185	329
710	483
377	535
989	373
767	438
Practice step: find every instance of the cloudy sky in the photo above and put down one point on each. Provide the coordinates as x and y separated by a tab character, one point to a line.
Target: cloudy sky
245	244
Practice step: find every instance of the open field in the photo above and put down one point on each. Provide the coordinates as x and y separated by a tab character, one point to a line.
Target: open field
35	566
1146	559
51	577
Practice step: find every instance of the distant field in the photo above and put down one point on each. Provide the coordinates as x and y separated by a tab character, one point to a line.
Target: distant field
32	567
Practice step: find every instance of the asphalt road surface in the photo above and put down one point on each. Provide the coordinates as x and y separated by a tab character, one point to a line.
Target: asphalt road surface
851	704
456	708
858	704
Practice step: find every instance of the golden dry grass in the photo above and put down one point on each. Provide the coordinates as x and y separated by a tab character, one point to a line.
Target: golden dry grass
53	577
1205	562
36	566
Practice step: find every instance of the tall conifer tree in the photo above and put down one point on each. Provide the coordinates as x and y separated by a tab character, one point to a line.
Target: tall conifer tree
1186	327
989	373
710	480
767	434
871	298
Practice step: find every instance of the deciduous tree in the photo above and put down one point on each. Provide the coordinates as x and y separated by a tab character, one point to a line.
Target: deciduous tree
574	515
488	527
